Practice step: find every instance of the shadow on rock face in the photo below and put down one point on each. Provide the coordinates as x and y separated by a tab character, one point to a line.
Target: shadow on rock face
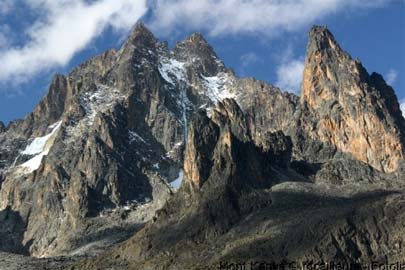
12	228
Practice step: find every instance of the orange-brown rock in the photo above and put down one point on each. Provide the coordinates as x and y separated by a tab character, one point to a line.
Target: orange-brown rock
349	109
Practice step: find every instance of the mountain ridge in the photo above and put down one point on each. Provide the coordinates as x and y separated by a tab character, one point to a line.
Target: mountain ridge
100	159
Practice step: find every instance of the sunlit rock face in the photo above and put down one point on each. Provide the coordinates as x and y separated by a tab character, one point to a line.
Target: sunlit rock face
349	109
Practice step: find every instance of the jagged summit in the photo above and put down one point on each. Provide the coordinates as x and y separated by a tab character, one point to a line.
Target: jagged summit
141	28
197	39
320	39
319	32
196	46
141	35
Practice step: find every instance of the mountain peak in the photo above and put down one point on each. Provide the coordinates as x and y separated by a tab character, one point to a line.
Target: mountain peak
195	44
320	38
319	30
197	38
196	48
141	33
140	39
141	27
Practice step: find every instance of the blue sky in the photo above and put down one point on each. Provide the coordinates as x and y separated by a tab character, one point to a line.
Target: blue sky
265	39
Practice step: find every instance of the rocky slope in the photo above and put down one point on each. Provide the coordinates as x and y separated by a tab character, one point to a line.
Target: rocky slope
111	142
242	203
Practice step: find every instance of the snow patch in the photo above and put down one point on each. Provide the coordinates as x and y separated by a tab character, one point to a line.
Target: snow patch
102	100
217	87
34	163
38	144
174	72
402	106
133	136
172	69
55	125
39	147
174	149
184	103
15	161
176	183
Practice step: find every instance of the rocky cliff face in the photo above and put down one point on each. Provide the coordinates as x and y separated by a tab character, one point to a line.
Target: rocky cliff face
226	174
349	109
111	142
224	144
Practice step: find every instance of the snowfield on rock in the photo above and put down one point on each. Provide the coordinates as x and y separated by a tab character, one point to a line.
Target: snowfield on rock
171	69
218	87
38	144
39	147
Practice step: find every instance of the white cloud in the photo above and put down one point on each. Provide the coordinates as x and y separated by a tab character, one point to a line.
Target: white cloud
249	59
402	104
241	16
246	61
290	70
391	76
289	75
64	28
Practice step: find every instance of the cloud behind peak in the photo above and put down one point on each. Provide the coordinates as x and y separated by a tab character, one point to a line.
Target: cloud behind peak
63	29
266	17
